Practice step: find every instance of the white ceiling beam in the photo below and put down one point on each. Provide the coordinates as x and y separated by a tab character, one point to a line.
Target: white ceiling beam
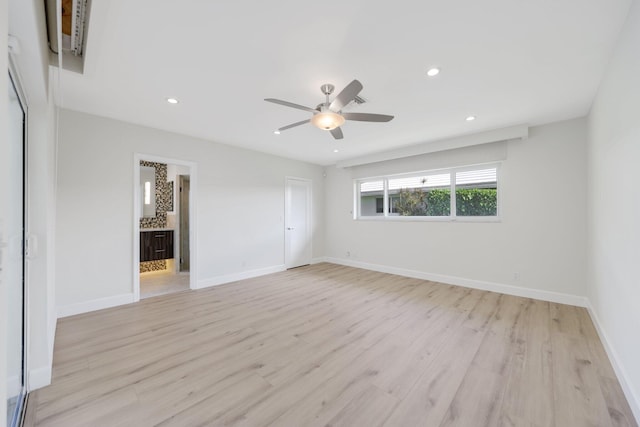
496	135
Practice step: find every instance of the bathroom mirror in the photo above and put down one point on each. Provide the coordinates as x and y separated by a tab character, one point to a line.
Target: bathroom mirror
148	191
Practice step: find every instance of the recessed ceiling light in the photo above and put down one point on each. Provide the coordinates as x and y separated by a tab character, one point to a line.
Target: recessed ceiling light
336	150
470	118
277	132
172	100
433	72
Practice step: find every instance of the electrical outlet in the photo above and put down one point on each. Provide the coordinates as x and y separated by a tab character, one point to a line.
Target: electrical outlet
516	276
348	254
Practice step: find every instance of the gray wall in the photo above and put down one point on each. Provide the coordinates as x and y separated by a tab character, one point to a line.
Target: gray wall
240	205
541	237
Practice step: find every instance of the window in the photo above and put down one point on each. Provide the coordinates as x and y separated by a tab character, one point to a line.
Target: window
371	197
477	193
421	195
379	205
428	195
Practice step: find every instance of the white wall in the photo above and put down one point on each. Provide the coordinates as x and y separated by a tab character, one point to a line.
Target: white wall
240	206
541	236
40	226
614	208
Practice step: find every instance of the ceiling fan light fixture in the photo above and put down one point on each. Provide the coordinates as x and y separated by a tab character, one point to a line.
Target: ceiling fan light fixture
327	120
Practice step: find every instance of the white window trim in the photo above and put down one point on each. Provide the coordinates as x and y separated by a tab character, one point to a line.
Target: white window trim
451	218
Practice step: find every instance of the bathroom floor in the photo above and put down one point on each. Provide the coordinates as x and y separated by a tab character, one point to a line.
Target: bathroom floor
156	283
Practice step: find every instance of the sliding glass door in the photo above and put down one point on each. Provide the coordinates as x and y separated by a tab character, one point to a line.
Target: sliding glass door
12	238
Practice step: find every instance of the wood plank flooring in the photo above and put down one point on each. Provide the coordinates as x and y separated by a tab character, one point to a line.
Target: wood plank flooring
329	345
156	283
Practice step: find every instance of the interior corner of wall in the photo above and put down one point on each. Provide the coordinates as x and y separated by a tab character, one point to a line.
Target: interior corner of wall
39	377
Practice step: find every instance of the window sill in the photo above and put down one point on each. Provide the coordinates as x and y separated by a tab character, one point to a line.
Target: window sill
496	219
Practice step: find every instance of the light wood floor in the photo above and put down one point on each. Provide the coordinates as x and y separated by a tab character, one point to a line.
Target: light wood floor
329	345
162	282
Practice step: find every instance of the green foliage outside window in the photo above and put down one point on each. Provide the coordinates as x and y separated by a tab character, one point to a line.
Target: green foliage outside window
476	202
437	202
411	202
417	202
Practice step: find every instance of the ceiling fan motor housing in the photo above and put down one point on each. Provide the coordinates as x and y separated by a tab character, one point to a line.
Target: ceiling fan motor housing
327	89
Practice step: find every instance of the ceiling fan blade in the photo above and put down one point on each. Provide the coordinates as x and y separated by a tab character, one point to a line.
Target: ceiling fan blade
346	96
290	104
292	125
337	133
366	117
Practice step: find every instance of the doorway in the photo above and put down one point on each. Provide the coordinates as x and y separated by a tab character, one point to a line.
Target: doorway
184	184
12	251
163	226
297	222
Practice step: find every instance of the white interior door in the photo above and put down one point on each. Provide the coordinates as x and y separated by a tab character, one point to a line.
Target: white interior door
297	222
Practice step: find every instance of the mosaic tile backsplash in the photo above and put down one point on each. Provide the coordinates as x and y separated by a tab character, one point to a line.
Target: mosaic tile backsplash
164	194
164	203
148	266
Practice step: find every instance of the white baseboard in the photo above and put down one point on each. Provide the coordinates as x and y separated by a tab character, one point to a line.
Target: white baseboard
234	277
318	260
468	283
39	377
53	325
93	305
630	393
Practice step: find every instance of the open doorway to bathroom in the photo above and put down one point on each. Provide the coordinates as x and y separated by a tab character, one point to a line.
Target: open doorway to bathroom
162	230
184	189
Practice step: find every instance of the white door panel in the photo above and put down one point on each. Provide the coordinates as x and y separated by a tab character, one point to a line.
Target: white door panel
297	223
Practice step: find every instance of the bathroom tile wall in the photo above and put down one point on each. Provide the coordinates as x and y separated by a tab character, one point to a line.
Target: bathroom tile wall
148	266
164	196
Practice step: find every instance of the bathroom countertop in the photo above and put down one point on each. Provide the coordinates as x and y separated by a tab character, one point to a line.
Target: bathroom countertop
157	229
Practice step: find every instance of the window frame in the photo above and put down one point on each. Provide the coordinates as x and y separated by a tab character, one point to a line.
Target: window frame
452	217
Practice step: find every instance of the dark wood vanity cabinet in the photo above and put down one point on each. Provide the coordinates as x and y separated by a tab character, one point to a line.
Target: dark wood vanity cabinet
156	245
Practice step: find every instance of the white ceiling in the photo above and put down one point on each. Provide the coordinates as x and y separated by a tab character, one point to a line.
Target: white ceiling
506	61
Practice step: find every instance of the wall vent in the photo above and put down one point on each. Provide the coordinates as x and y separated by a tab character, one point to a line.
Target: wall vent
359	100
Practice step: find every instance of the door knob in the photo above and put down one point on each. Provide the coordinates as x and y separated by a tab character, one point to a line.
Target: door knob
289	228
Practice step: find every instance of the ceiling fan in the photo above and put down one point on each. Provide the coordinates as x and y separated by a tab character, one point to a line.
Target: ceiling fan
329	115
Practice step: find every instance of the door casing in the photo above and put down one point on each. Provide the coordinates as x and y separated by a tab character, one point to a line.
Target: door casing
193	176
